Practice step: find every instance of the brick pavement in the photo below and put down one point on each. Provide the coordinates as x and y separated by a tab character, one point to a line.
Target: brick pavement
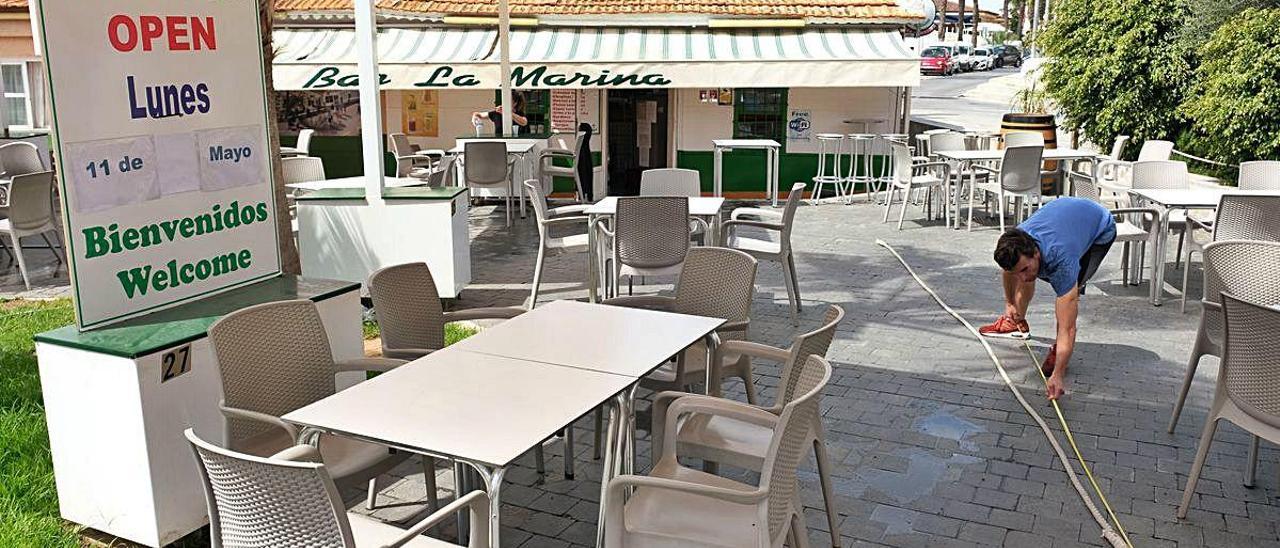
930	447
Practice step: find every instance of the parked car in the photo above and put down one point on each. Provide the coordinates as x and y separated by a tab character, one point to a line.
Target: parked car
1008	56
982	59
937	60
964	58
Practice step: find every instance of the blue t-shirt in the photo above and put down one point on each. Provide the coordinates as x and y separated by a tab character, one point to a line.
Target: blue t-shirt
1065	229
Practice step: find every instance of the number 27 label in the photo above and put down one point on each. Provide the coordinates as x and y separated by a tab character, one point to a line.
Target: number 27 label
175	363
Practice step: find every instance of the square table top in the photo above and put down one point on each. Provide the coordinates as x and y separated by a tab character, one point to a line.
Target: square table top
746	143
1194	197
453	403
355	182
630	342
513	147
996	154
702	206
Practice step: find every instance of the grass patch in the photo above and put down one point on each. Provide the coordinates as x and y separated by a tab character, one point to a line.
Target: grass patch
28	498
453	332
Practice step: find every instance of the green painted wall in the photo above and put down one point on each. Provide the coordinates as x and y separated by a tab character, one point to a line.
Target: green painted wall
744	169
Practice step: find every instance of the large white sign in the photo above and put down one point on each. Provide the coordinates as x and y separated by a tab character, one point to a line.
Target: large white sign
159	115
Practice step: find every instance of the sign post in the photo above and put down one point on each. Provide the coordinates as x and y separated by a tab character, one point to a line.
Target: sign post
160	132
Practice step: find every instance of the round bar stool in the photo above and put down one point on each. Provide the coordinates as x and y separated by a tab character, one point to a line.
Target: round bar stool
830	149
860	150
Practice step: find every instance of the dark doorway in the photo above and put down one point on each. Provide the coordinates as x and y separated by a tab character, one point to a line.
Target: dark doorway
637	129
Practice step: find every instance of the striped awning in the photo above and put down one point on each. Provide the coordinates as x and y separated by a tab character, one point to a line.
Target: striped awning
576	57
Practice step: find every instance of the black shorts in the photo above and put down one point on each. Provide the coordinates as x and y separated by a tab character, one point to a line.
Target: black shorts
1090	262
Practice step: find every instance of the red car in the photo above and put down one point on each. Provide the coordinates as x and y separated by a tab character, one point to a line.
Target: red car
937	60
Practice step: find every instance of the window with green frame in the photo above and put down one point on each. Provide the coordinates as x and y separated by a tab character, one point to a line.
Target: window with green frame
537	108
760	113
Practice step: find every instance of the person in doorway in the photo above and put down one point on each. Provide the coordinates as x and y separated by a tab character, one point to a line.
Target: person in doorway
494	116
1063	243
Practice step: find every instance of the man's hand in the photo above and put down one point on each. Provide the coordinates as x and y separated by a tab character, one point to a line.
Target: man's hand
1055	387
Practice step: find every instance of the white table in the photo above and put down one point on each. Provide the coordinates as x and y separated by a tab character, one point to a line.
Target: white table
490	398
479	409
1167	201
960	158
355	182
703	207
771	148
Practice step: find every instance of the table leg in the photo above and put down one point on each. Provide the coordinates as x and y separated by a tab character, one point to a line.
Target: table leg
525	158
717	168
591	259
460	489
1157	261
610	460
773	175
493	486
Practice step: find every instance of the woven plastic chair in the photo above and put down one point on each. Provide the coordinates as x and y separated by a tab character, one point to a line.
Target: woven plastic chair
302	147
289	499
30	211
679	506
1119	172
409	162
1247	269
1259	175
302	169
745	445
716	282
19	159
546	219
1238	217
547	170
650	237
486	165
1017	177
275	358
1131	227
763	249
1164	175
1248	391
909	177
670	182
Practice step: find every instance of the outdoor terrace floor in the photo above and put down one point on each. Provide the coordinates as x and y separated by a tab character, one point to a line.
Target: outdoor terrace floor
930	447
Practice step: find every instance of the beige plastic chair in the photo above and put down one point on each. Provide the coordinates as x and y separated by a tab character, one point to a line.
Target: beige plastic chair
1131	227
19	158
1239	217
649	237
1248	391
275	358
766	249
716	282
547	170
31	213
300	148
289	499
1159	175
679	506
1259	175
745	445
410	162
1245	268
302	169
486	164
670	181
546	242
1119	172
1018	177
909	177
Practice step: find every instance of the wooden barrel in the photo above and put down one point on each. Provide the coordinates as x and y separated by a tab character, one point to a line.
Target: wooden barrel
1045	125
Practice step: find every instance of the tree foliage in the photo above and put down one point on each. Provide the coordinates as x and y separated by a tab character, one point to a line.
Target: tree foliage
1234	101
1116	67
1208	15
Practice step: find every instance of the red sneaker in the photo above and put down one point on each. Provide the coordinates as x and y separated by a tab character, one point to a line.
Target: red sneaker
1050	361
1006	328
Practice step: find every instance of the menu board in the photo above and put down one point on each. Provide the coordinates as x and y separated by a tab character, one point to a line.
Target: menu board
160	132
420	113
564	110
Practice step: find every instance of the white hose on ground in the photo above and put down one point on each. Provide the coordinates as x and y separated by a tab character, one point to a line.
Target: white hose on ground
1108	532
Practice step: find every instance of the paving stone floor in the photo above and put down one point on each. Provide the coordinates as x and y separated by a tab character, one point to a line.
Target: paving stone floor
931	448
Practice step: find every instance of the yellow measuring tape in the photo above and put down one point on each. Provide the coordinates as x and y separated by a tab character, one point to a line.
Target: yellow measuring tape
1117	540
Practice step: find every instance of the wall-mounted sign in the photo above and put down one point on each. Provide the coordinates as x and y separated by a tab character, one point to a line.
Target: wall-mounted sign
799	125
564	110
420	113
159	119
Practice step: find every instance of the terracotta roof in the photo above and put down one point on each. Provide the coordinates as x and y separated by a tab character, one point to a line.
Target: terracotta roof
13	5
869	10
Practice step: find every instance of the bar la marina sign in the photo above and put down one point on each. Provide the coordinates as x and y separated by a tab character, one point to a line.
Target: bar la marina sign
447	76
